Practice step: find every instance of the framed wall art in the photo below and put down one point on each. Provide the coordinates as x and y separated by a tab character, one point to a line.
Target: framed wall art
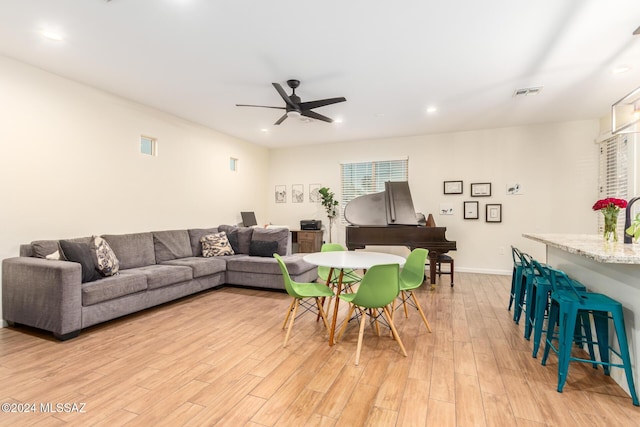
471	210
314	193
493	212
297	193
446	209
452	187
514	189
481	189
281	194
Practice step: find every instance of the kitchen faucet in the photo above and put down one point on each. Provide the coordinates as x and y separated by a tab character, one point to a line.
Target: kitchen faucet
627	220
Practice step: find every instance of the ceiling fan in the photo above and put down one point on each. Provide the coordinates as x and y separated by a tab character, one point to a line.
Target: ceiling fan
295	108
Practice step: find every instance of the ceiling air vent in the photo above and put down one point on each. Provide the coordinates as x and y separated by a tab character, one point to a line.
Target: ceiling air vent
528	91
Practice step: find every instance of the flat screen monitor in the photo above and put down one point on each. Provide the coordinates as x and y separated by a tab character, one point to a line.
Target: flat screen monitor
248	219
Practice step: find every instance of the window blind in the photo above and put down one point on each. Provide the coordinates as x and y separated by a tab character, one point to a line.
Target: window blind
363	178
613	178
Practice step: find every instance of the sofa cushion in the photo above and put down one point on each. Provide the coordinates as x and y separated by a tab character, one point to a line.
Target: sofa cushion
280	235
106	261
162	275
201	266
194	237
82	254
244	236
263	248
295	264
113	287
132	250
171	244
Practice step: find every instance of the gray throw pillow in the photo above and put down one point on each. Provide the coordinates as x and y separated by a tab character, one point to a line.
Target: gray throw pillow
279	235
82	254
263	248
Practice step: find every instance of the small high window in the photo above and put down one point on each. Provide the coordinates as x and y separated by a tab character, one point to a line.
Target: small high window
148	145
233	164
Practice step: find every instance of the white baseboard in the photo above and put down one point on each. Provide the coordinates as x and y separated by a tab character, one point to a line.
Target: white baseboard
484	271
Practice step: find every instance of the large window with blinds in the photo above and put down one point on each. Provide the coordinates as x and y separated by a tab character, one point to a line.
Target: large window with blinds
363	178
613	178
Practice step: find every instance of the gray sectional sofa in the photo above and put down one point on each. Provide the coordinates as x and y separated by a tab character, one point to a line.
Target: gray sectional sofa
154	268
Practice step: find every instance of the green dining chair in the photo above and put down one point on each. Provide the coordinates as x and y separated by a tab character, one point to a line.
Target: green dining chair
301	293
411	278
349	277
378	288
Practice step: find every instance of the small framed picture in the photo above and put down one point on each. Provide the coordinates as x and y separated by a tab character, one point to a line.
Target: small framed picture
281	194
494	213
297	193
314	193
453	187
471	210
481	189
514	189
446	209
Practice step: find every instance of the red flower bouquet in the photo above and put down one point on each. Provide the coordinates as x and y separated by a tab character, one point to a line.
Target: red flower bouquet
610	207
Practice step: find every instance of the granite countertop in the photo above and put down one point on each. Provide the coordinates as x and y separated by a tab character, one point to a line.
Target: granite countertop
591	246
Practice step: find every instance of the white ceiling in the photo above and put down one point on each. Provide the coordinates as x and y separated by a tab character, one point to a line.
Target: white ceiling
392	60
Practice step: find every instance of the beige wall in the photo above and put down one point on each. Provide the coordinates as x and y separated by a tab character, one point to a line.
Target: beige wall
70	165
556	165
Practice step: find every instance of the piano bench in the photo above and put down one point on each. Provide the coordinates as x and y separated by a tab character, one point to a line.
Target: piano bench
445	259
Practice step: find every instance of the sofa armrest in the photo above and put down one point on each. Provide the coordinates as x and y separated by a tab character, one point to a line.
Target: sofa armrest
42	293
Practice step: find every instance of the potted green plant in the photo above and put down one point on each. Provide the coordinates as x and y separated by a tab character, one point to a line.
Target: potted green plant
330	206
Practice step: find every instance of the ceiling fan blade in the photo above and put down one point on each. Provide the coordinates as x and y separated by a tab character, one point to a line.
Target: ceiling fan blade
321	103
281	119
314	115
284	96
261	106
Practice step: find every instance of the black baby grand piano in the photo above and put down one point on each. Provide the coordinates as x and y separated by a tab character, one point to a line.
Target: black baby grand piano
388	218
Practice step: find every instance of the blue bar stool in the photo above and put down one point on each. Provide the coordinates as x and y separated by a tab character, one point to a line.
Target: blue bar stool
537	300
567	305
516	279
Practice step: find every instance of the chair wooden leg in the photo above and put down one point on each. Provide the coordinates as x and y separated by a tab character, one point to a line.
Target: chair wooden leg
360	335
293	301
293	318
346	321
321	311
373	312
404	303
424	318
395	332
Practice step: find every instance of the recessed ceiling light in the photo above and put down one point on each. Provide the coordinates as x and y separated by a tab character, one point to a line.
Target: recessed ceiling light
338	120
52	35
620	69
431	110
265	130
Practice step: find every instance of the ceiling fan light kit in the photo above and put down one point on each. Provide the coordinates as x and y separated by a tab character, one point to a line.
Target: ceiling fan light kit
295	108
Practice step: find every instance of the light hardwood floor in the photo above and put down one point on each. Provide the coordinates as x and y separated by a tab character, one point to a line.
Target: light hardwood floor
217	359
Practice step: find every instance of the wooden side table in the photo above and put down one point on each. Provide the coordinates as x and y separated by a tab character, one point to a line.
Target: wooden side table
306	241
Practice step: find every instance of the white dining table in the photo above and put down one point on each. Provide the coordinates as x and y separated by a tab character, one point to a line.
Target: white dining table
348	260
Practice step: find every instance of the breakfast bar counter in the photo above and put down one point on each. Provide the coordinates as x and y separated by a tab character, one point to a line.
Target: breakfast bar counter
610	268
